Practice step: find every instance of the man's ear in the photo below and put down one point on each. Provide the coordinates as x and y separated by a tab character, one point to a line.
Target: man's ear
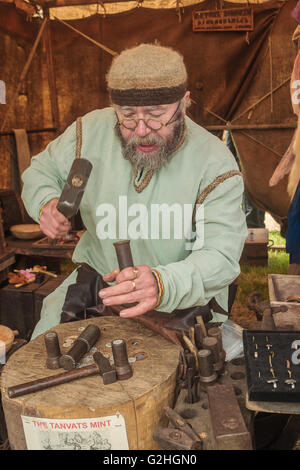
187	101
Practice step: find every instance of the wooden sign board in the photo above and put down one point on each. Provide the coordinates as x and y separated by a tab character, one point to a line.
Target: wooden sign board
231	19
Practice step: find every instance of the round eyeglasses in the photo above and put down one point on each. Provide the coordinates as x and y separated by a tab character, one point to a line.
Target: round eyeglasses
152	123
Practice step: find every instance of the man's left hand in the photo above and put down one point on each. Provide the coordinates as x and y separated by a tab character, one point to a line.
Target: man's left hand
134	285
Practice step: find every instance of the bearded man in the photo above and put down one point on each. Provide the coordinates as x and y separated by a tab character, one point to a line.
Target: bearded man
149	159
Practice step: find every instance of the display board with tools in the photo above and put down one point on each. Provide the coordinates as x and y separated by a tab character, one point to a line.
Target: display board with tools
273	373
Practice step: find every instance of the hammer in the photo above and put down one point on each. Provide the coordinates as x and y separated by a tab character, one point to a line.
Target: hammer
72	193
70	198
101	366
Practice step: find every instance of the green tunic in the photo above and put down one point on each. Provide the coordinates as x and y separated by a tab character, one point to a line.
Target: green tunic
192	273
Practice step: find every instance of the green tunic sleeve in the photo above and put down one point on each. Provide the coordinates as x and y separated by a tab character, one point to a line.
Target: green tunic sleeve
45	178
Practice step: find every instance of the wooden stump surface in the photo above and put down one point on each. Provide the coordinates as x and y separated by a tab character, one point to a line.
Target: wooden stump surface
140	399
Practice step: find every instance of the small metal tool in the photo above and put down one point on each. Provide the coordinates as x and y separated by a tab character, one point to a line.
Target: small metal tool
290	381
181	437
81	346
268	345
218	359
174	439
108	374
274	380
207	375
53	350
123	368
217	334
181	424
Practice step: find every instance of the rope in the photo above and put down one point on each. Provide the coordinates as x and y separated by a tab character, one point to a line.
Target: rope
245	134
260	100
261	143
218	180
179	5
271	73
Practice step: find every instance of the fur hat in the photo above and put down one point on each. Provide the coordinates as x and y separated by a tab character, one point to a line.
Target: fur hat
147	75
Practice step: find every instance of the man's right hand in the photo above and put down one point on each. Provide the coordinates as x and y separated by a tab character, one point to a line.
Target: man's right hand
52	222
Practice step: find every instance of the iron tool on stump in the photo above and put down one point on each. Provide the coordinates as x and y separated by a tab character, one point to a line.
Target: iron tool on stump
64	377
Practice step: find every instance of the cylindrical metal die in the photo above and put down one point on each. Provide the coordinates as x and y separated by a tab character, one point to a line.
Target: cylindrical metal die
53	350
216	333
82	345
123	368
90	335
123	254
218	359
206	370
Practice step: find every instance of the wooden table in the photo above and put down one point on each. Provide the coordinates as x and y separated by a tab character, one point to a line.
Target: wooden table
25	247
7	259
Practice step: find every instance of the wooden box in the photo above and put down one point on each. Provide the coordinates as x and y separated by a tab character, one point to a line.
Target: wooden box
255	253
20	308
281	287
43	291
256	247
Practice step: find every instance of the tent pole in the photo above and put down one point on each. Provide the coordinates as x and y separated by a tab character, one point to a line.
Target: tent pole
51	73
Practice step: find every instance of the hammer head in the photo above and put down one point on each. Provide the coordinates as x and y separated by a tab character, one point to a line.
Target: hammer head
108	374
74	187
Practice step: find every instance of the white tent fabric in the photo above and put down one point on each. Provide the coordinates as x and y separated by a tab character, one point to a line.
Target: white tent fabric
72	12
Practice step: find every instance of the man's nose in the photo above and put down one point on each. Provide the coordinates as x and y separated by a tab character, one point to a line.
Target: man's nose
141	129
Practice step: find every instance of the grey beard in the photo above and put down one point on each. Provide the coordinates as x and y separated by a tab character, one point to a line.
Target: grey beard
158	158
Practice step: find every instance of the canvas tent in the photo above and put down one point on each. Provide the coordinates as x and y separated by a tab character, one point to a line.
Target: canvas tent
238	77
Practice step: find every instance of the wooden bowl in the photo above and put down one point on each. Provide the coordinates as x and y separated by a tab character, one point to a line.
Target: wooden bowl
26	231
7	336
